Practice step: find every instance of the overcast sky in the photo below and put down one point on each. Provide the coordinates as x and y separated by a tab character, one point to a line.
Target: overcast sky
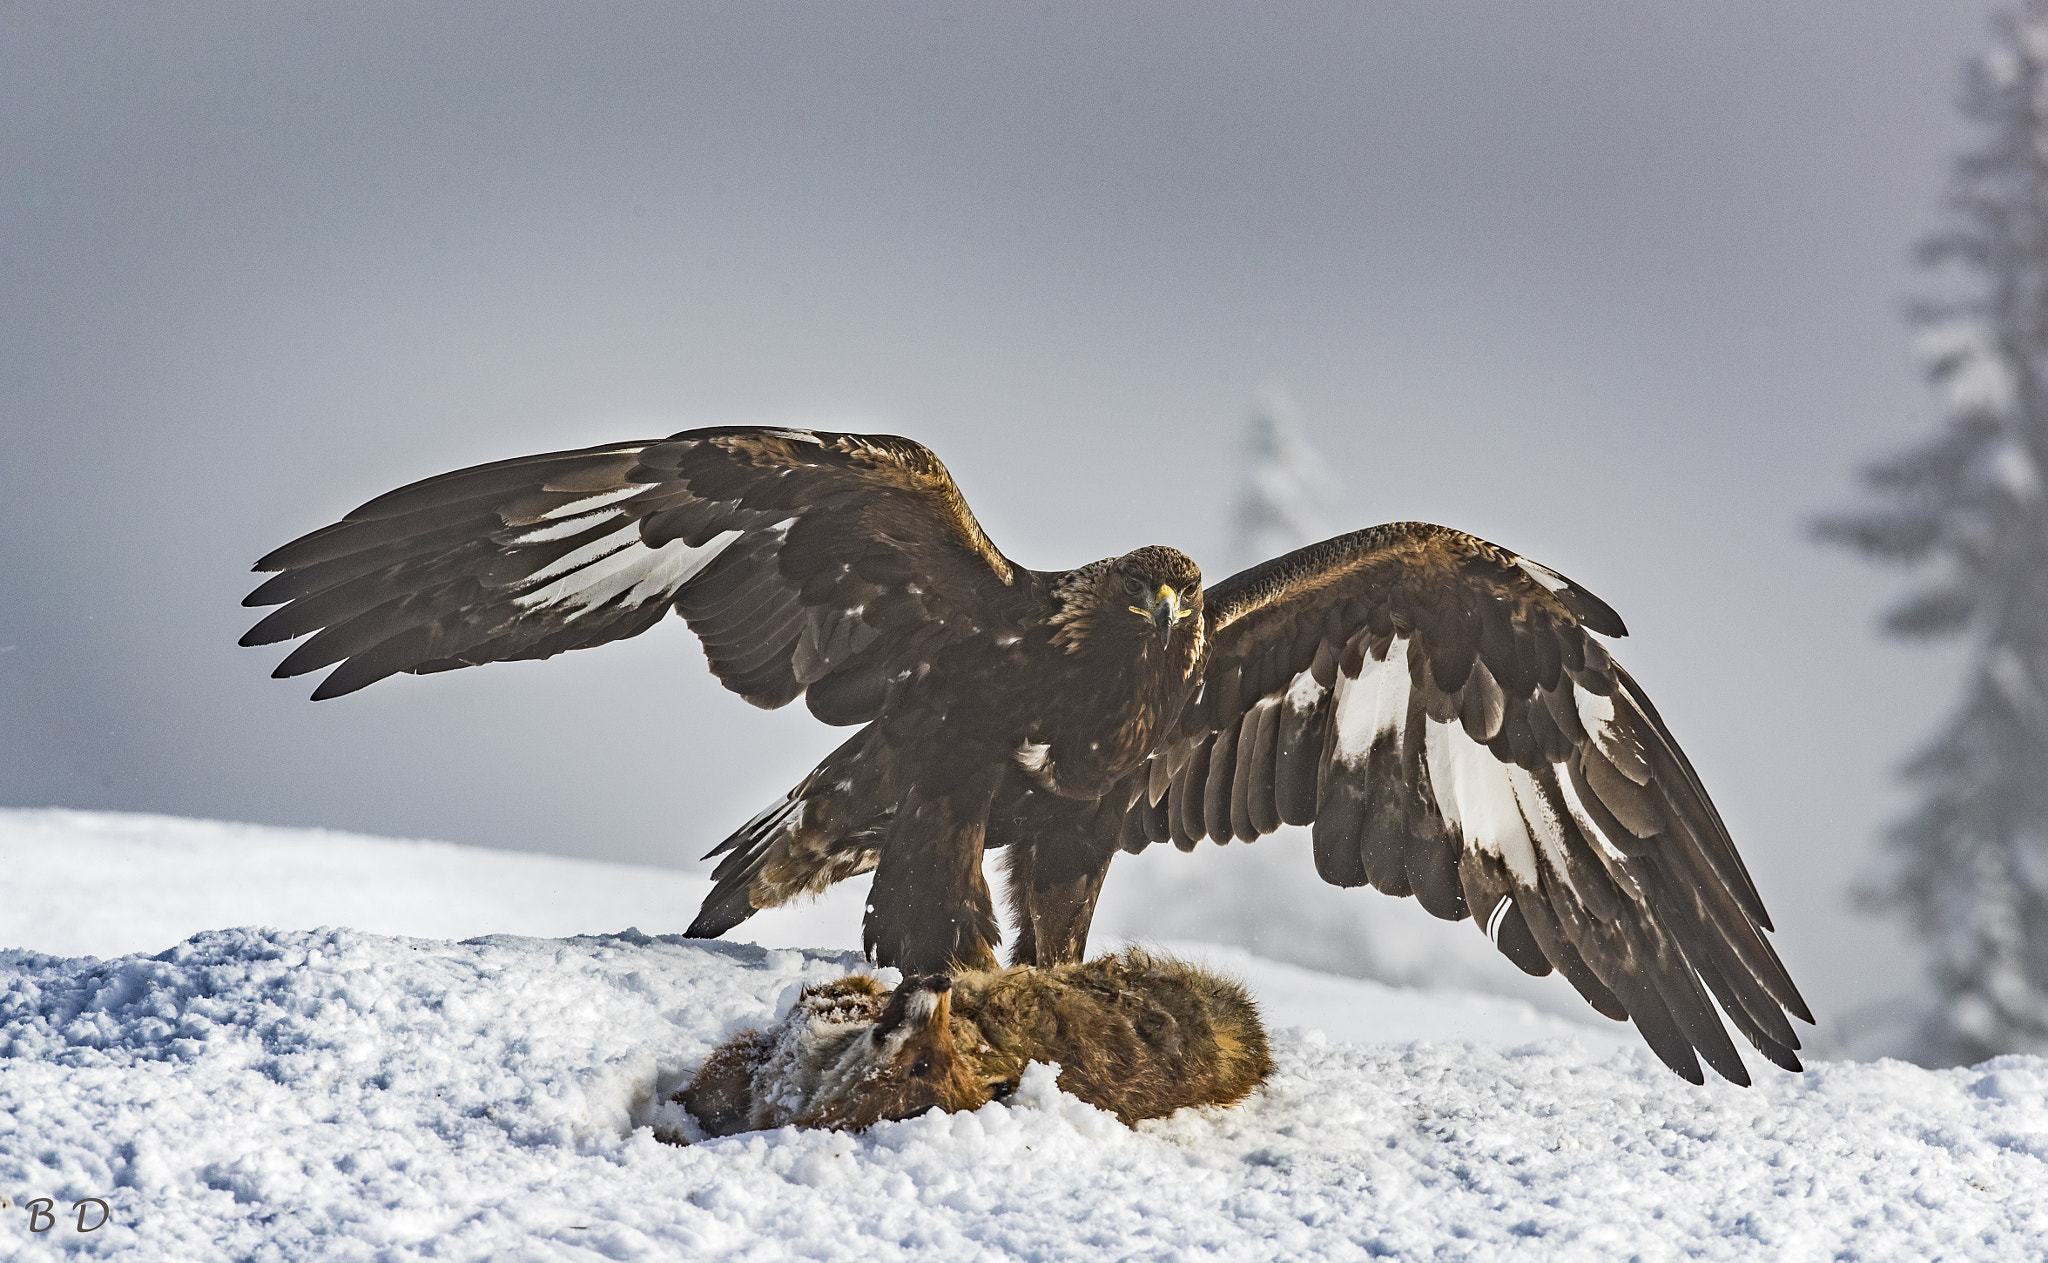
1617	286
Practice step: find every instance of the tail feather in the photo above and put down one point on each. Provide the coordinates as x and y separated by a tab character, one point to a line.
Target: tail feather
819	833
746	851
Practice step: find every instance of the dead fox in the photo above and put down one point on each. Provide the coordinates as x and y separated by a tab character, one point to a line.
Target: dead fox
1136	1034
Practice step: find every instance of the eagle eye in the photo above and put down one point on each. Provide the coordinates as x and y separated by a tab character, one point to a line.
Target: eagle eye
1133	584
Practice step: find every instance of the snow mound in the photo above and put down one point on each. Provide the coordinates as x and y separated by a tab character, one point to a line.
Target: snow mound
110	883
339	1094
105	883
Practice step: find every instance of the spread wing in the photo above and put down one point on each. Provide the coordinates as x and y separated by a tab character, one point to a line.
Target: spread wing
804	561
1435	707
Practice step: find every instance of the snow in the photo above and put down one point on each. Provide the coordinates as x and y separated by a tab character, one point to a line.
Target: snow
1965	359
296	1092
105	884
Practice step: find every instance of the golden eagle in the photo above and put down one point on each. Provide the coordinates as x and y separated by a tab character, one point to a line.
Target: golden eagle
1432	704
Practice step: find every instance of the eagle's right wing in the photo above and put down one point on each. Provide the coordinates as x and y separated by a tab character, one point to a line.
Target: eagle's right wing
1437	707
804	561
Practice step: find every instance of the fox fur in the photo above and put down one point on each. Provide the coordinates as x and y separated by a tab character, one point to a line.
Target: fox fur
1136	1034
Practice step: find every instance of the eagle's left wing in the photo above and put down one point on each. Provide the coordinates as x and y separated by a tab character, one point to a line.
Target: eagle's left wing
808	563
1435	707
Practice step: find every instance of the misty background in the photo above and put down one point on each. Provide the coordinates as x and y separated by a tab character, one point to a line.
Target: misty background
1618	287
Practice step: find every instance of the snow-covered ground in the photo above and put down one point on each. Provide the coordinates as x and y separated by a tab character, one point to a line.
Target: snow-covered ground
293	1092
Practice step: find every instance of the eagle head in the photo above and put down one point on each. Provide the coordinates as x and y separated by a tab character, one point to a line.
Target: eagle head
1140	598
1161	585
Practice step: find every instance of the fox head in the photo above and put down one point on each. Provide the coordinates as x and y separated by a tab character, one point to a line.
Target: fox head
903	1065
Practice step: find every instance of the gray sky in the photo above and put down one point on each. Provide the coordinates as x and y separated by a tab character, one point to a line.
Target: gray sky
1617	286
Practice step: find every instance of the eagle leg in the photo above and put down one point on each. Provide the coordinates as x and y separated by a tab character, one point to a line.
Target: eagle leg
1055	876
929	910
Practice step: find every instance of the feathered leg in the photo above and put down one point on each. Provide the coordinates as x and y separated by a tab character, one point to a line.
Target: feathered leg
929	910
1057	859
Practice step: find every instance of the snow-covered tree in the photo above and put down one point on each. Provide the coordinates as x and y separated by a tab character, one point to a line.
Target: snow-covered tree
1970	864
1281	501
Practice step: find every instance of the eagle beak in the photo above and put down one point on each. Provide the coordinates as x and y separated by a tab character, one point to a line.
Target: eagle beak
1164	610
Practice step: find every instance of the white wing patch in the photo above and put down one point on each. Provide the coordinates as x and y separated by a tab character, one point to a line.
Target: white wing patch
1492	807
1546	831
616	568
1596	715
1305	692
1584	818
596	548
1477	795
1497	808
1373	703
590	504
563	530
1551	580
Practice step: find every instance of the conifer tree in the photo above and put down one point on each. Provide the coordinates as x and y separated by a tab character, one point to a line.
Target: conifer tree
1966	512
1282	500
